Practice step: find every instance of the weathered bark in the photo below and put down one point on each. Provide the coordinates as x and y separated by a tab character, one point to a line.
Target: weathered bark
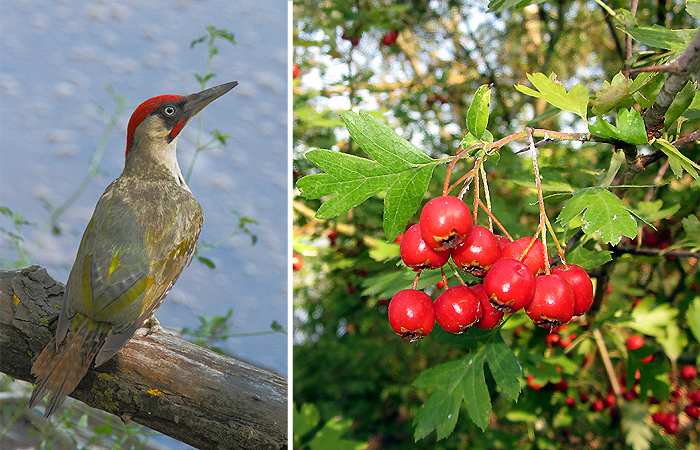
197	396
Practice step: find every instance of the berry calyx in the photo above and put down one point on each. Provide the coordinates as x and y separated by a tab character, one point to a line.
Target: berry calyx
457	309
477	253
445	221
553	302
417	255
491	317
411	314
534	258
580	283
509	285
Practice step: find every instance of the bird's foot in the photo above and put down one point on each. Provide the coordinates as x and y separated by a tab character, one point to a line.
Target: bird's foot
153	326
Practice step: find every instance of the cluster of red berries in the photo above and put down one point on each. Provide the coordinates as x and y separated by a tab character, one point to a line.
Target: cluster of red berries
353	35
513	272
668	419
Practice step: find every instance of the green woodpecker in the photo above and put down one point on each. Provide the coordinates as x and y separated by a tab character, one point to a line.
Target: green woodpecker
141	236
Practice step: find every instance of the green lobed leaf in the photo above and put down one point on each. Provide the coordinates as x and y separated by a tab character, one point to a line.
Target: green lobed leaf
680	103
632	127
653	211
638	432
502	5
575	101
662	37
612	95
677	160
603	213
588	259
478	113
463	381
652	319
397	167
692	316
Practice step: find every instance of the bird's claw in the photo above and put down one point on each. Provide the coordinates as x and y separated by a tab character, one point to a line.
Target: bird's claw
153	326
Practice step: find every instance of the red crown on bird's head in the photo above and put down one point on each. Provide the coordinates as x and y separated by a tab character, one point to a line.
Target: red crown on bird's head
144	110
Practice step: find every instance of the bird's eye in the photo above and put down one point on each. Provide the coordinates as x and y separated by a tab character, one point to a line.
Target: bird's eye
169	110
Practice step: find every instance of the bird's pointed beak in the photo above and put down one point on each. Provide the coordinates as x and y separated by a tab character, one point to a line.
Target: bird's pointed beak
196	102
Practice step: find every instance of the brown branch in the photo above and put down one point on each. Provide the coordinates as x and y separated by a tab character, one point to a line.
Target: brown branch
654	252
192	394
679	71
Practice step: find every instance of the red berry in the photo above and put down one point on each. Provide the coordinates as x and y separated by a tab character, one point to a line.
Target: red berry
491	317
692	411
445	221
647	359
580	283
477	253
411	314
565	342
659	417
688	373
694	397
532	385
553	302
570	401
502	241
610	400
597	405
552	339
295	71
417	255
534	258
297	262
390	37
457	309
634	342
584	397
671	425
399	238
509	285
561	386
440	284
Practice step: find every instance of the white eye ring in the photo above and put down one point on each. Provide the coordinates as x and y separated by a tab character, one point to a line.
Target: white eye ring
169	110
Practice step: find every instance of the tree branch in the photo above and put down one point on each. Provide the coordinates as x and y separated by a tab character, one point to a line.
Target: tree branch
190	393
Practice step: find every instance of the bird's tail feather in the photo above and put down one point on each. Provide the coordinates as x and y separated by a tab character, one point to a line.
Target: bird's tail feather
60	369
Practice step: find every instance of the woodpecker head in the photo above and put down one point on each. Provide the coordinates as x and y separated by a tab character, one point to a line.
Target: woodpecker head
155	125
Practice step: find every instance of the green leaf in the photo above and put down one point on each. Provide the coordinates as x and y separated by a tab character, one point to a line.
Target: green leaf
207	262
613	95
397	167
692	7
673	341
632	127
502	5
680	103
463	381
652	211
662	37
677	160
331	436
638	433
478	113
575	101
652	319
692	316
603	212
588	259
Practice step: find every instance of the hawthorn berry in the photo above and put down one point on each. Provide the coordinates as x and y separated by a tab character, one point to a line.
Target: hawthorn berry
390	37
552	303
491	317
477	253
295	71
297	262
411	314
597	405
417	255
694	397
634	342
509	285
445	221
535	256
692	411
570	401
688	373
457	309
581	284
